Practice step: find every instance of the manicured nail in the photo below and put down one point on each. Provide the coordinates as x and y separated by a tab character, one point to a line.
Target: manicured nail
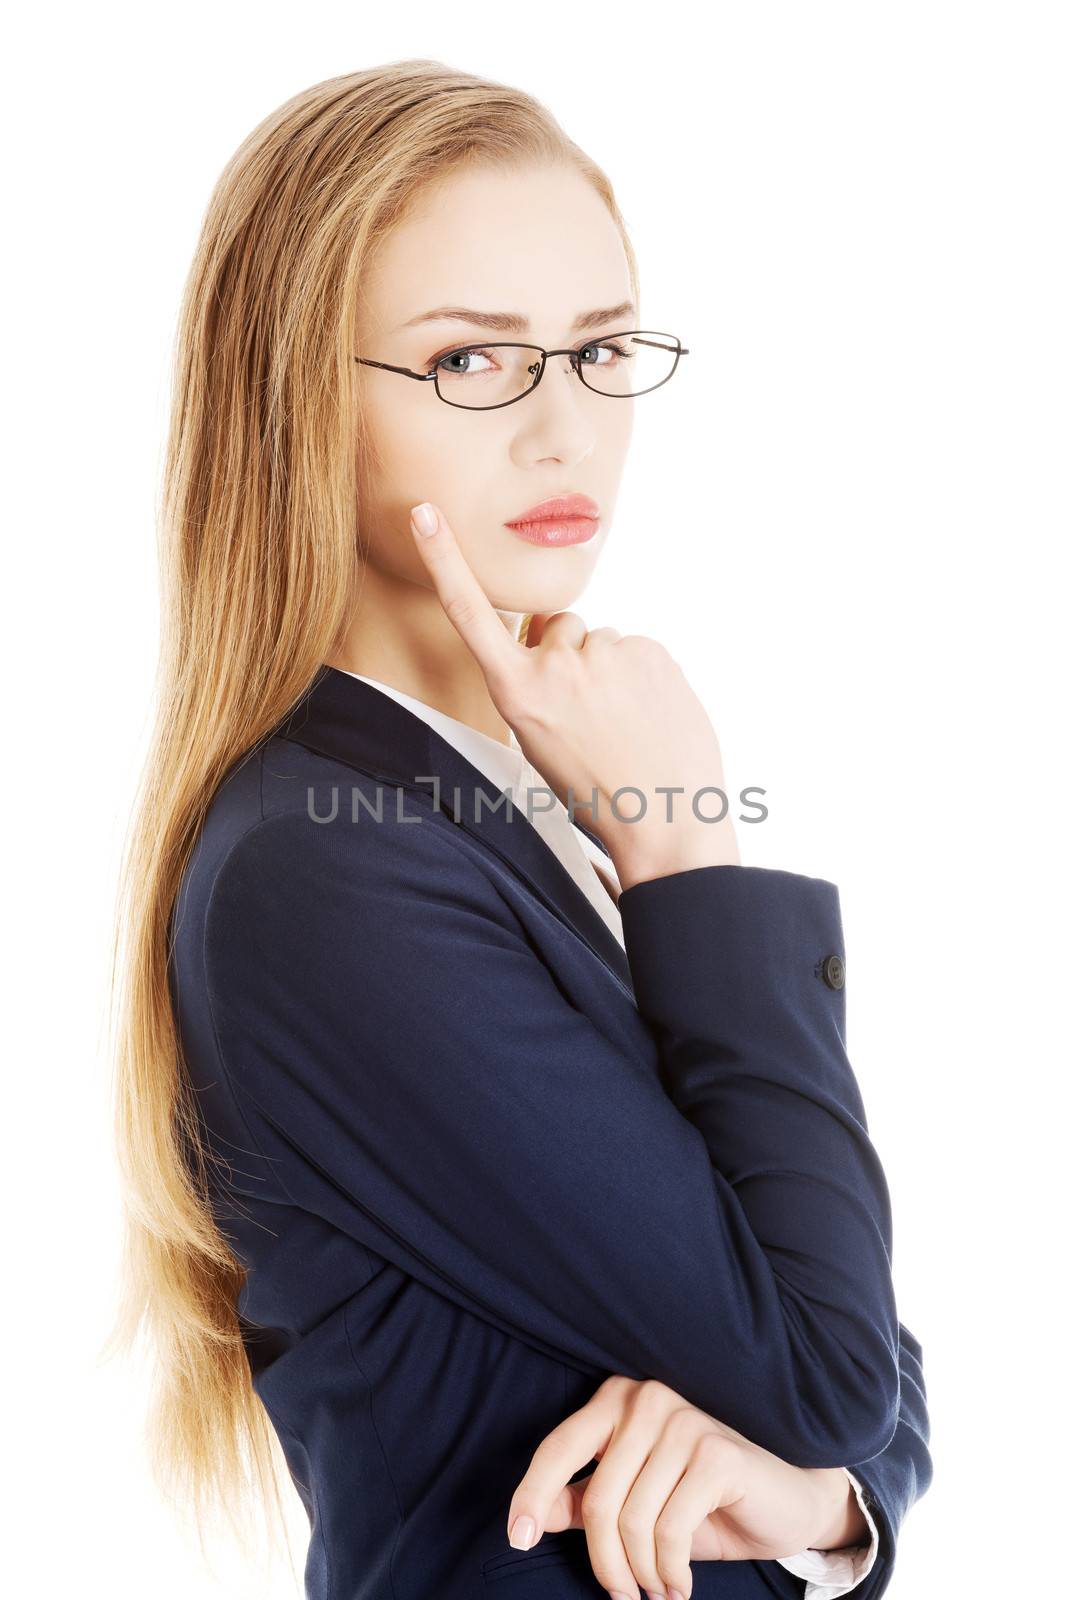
521	1536
425	519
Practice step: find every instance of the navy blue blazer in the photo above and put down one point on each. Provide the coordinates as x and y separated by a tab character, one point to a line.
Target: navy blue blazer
475	1156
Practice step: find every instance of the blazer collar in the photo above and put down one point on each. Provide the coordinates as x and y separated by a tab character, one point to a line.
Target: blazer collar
351	721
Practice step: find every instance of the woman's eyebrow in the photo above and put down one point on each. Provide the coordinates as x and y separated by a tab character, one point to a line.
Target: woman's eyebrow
512	322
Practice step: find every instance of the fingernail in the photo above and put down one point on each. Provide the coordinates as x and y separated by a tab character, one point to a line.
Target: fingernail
425	519
521	1536
614	1594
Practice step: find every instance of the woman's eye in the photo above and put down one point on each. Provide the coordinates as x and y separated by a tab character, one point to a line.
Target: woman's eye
457	363
609	352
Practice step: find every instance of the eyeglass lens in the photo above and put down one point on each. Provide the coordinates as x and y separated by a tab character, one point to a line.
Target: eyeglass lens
492	375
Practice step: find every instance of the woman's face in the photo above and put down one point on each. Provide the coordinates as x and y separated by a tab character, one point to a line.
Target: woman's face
538	244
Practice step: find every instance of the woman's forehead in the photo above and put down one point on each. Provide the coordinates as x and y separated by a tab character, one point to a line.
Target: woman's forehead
540	247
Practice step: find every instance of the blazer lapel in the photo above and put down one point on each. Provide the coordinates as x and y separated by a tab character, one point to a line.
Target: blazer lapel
351	721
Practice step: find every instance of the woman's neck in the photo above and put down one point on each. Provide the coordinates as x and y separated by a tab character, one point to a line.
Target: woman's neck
401	636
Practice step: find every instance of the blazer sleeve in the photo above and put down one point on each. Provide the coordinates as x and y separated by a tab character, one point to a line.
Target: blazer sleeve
895	1478
411	1069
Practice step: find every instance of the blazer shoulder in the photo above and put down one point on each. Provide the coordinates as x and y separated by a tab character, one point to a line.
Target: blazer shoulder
324	853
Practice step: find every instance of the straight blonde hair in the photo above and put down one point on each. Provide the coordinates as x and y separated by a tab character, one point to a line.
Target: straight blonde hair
258	574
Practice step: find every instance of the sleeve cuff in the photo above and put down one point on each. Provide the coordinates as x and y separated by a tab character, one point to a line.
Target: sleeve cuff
829	1574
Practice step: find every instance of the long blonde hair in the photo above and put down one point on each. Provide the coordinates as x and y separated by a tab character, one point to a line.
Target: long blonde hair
258	575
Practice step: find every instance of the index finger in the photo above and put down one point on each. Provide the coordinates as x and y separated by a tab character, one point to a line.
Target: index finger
465	601
544	1494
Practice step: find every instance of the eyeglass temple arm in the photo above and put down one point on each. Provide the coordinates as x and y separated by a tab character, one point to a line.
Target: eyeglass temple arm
679	350
422	377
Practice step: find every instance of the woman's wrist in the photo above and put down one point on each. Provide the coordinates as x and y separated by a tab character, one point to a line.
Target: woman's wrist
838	1520
673	848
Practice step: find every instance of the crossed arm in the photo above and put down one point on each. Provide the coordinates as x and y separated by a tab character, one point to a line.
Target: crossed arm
723	1226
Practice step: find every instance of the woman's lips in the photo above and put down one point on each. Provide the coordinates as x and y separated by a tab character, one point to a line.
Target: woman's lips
566	519
556	530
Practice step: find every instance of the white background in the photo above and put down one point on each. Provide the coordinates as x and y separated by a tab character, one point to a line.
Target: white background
846	517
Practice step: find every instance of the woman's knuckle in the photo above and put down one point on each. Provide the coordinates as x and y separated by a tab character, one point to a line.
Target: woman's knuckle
650	653
651	1397
595	1510
669	1532
679	1425
712	1448
633	1523
562	665
600	1512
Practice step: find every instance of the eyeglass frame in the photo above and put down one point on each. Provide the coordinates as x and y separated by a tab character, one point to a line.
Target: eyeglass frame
513	344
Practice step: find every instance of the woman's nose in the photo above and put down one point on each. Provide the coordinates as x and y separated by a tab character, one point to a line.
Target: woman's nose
556	419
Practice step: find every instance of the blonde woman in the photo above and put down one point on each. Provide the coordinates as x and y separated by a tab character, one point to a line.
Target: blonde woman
502	1165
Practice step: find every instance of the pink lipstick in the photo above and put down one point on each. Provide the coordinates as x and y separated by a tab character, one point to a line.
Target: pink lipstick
565	519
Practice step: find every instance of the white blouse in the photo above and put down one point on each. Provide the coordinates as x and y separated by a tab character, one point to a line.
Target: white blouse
829	1574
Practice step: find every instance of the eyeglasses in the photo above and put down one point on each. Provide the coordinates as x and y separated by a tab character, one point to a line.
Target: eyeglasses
488	376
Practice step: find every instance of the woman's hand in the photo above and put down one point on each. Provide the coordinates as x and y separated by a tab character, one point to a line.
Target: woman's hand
598	712
672	1486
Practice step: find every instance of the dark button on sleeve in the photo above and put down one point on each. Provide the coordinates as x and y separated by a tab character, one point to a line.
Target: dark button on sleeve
833	972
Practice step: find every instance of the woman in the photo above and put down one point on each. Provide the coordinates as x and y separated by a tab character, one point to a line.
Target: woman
511	1165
